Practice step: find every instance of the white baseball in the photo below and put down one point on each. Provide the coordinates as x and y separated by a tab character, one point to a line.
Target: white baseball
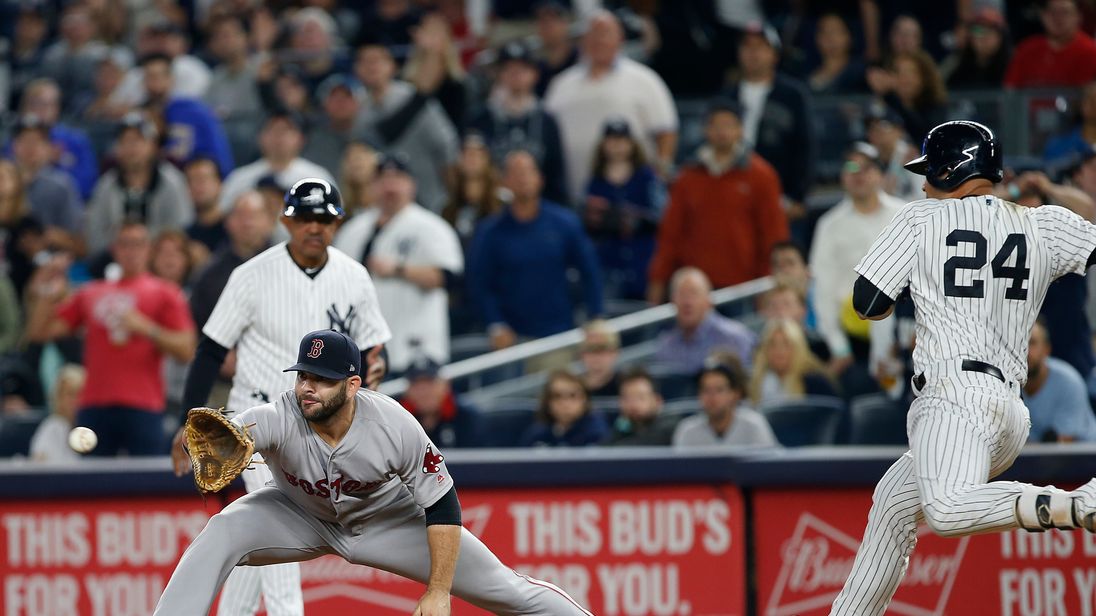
82	440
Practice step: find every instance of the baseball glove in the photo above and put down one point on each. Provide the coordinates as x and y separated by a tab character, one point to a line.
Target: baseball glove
219	449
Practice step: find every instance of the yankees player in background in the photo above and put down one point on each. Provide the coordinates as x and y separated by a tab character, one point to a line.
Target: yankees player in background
978	268
354	475
269	302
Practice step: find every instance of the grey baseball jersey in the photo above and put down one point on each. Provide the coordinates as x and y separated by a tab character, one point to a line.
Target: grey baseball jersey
978	269
269	303
384	458
362	499
265	308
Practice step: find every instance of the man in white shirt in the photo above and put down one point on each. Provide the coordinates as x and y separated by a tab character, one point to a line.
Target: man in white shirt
414	256
606	84
280	142
842	237
190	76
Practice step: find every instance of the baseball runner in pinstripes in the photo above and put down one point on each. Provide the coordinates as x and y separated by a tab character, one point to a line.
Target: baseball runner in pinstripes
978	268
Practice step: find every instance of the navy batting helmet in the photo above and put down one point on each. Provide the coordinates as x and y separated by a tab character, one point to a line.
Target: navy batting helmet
957	151
313	196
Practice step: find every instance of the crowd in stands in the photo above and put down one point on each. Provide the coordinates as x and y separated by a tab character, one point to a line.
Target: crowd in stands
509	169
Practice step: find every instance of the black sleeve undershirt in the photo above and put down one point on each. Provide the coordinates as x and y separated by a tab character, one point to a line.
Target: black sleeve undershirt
203	373
868	300
1091	259
445	511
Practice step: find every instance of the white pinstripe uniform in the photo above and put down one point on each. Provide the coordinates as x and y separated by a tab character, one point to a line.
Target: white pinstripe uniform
268	304
978	269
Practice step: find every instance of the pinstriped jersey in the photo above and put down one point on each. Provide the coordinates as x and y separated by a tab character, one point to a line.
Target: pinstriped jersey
978	269
269	303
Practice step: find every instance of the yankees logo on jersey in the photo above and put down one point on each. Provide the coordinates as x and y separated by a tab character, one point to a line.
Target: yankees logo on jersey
269	303
978	269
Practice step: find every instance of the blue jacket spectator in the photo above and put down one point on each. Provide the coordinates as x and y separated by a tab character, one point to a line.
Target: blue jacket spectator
520	258
75	154
1056	396
565	417
52	195
1062	148
624	202
193	130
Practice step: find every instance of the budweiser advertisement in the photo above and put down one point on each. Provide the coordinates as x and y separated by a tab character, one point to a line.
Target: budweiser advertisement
806	540
626	551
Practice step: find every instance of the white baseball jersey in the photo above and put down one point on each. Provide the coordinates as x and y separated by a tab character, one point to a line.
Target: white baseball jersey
978	269
414	236
269	304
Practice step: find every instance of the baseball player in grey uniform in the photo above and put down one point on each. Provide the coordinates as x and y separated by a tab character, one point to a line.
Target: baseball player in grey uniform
978	268
354	475
268	303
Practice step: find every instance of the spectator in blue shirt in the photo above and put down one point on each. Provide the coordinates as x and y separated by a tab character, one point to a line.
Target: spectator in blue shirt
74	154
624	202
520	258
699	330
1079	139
1055	395
565	417
193	130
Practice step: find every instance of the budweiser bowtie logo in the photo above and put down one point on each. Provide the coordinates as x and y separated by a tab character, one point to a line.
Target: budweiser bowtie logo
818	558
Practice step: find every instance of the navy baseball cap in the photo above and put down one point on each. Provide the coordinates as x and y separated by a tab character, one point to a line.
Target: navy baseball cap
423	368
328	353
516	51
616	127
393	161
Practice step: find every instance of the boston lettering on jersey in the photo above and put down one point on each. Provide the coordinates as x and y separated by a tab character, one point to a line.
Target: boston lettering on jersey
322	488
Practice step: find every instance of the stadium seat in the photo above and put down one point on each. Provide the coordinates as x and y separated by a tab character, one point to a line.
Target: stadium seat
672	384
681	407
503	420
810	421
876	420
16	432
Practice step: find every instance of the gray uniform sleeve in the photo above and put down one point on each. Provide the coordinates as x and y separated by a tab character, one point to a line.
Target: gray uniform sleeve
264	424
421	464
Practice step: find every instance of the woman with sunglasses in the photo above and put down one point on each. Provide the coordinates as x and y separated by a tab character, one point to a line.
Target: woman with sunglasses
565	417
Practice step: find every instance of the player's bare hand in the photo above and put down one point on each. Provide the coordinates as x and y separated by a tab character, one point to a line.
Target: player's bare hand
503	337
382	267
180	459
376	368
433	603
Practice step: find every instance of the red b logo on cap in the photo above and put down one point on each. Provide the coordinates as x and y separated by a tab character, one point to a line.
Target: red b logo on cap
317	347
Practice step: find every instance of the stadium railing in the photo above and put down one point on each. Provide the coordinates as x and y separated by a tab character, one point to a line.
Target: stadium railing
472	372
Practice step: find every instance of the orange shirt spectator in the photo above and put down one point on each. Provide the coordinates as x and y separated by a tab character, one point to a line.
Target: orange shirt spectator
1063	56
724	215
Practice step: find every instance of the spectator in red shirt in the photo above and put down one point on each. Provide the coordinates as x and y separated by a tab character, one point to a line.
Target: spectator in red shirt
724	215
1063	56
130	323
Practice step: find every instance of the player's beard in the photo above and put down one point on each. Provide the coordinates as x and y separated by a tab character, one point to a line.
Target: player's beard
327	407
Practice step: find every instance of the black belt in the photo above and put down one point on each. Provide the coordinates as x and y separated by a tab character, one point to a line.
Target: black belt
968	365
